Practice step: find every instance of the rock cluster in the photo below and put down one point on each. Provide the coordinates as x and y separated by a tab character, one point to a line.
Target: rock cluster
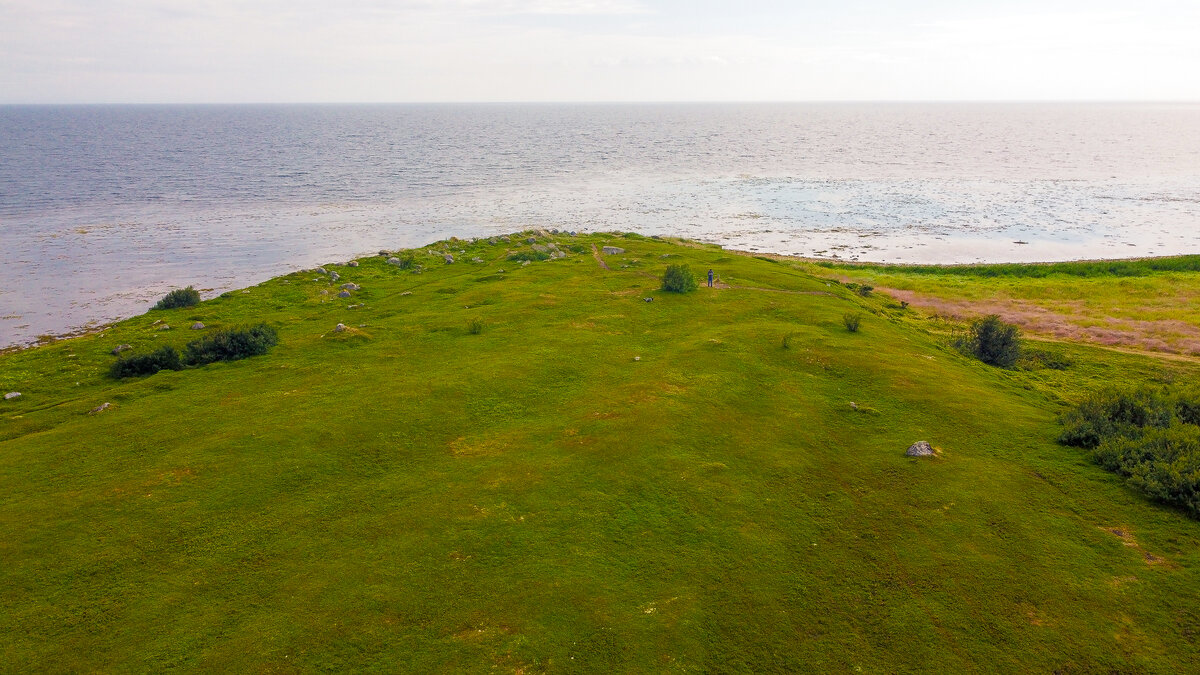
612	250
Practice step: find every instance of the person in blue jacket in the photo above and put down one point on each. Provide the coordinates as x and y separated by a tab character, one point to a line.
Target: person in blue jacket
710	278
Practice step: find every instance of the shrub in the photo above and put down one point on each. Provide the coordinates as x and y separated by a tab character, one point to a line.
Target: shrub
230	345
179	297
408	260
531	256
678	279
851	320
995	342
1148	436
165	358
475	326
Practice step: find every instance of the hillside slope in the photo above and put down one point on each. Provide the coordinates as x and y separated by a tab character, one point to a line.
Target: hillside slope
587	482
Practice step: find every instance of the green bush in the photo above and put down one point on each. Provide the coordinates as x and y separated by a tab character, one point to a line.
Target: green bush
180	297
165	358
1148	436
995	342
408	260
852	320
475	326
230	345
678	279
532	256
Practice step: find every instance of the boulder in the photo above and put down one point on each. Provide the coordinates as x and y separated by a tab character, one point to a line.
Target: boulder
352	263
350	286
393	261
100	408
197	326
648	299
334	276
920	449
531	240
344	294
505	239
492	241
612	250
477	260
120	348
448	258
322	270
540	249
339	328
12	395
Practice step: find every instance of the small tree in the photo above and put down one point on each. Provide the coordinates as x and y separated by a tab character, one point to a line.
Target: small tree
995	342
180	297
678	279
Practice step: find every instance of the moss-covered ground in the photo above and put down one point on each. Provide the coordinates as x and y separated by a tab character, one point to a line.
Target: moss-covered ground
590	483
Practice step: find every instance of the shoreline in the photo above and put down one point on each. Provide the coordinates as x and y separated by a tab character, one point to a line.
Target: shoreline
828	263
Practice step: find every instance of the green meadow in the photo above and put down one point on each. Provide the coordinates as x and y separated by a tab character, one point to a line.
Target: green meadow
508	467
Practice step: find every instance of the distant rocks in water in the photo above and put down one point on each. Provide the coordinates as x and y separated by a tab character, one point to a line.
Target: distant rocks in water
920	449
448	258
352	263
344	294
120	348
339	328
100	408
612	250
12	395
351	286
197	326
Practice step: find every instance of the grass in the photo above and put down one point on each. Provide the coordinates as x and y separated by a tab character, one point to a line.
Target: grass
404	495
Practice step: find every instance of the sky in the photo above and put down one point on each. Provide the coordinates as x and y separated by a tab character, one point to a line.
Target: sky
242	51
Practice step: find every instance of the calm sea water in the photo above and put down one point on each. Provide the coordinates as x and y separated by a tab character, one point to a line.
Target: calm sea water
102	209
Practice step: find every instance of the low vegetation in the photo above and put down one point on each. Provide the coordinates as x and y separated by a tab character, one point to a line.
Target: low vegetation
852	320
678	279
595	484
179	297
164	358
231	345
993	341
1148	435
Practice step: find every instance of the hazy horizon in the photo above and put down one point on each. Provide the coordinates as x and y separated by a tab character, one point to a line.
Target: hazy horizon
596	51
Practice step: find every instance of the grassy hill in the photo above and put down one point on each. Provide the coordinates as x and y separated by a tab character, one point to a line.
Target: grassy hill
518	467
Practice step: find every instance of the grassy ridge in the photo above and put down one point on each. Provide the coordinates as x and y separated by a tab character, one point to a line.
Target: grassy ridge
1084	268
410	494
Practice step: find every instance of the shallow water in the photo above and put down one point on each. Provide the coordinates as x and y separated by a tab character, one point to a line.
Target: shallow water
102	209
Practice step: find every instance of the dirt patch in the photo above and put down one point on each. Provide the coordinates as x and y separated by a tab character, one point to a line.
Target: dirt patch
1068	322
1126	537
599	260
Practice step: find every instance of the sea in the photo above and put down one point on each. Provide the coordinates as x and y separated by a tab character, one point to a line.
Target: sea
105	208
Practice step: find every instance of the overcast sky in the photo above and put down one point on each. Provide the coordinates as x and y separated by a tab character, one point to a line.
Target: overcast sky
109	51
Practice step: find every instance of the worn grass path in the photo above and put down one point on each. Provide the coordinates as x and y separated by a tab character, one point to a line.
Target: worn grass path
593	483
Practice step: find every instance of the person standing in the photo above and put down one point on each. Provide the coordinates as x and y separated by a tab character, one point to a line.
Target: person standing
710	277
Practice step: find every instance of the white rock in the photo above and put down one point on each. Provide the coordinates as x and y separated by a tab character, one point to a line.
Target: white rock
11	395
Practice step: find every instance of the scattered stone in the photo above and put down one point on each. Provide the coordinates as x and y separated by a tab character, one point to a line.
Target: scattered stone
540	249
553	231
505	239
406	293
919	449
120	348
531	240
524	263
339	328
385	253
12	395
558	255
322	270
352	263
393	261
353	306
334	276
247	292
612	250
501	271
351	286
573	234
197	326
448	258
552	246
492	241
854	406
648	299
477	260
324	292
156	322
637	358
100	408
165	326
344	294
